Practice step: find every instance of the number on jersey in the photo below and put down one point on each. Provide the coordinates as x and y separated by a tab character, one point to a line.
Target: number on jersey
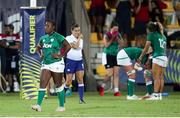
162	43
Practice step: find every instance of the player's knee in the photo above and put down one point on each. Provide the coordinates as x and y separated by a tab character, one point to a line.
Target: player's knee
147	73
69	82
131	74
80	80
109	74
59	89
43	84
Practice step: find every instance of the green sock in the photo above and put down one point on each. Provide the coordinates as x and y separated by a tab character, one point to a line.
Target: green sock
61	98
131	87
41	94
149	87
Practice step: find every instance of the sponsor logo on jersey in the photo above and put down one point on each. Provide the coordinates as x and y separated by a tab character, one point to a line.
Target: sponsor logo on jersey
52	40
47	45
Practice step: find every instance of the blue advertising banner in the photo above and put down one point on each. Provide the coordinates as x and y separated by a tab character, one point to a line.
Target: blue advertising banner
33	22
172	73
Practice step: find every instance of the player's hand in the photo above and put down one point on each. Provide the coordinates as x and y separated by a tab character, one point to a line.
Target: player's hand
80	36
41	56
55	55
138	67
115	35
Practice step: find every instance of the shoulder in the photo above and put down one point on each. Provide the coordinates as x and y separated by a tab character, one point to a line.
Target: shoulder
68	37
151	35
108	35
44	36
59	35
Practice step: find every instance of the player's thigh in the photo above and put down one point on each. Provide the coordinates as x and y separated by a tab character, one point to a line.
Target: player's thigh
69	77
116	71
57	77
156	71
109	71
111	63
44	78
161	71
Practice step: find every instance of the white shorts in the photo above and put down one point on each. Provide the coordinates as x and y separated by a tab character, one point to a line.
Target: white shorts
123	59
57	67
104	60
161	61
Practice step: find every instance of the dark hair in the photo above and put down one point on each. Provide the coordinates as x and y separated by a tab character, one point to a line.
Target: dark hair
74	25
10	26
114	23
153	27
51	21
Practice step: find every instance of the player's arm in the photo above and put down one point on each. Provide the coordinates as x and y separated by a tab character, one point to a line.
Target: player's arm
137	65
107	42
122	42
76	45
66	47
38	50
147	45
137	9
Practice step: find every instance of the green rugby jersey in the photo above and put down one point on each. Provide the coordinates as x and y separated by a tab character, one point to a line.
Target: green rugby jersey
158	43
113	48
51	44
134	53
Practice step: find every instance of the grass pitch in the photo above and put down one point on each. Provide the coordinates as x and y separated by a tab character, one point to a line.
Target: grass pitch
96	106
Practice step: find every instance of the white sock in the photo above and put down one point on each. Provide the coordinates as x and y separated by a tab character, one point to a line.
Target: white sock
116	90
103	85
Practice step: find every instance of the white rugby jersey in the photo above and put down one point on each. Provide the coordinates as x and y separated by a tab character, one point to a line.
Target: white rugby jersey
74	54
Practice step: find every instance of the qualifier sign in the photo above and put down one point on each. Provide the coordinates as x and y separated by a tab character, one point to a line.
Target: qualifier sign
33	22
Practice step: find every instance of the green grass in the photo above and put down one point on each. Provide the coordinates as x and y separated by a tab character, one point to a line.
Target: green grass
106	106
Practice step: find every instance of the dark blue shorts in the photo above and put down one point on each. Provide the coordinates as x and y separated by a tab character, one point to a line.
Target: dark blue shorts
111	61
73	66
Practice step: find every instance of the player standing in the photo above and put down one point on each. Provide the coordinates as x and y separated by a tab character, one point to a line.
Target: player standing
52	64
74	62
157	40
